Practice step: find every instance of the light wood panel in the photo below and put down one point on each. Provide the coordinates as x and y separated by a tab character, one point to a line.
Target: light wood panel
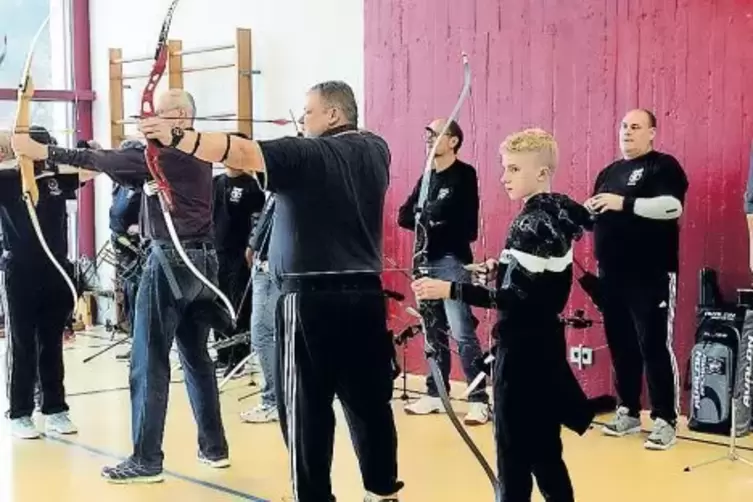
434	463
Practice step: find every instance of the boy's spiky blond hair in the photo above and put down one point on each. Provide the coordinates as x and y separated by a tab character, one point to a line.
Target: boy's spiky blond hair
533	140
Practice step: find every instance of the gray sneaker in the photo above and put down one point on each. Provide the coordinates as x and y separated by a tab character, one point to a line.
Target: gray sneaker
662	437
260	414
24	428
622	424
60	423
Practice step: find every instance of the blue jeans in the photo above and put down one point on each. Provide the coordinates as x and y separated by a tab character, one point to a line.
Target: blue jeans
264	297
160	318
461	326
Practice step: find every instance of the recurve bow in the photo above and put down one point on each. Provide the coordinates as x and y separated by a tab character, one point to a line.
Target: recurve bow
164	192
420	269
30	191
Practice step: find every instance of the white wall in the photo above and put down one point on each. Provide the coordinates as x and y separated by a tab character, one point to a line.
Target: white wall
296	43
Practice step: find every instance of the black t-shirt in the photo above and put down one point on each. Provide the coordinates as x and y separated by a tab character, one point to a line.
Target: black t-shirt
452	207
329	201
19	236
235	202
628	244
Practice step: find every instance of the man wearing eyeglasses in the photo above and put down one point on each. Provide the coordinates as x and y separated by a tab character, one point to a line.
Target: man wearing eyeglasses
451	212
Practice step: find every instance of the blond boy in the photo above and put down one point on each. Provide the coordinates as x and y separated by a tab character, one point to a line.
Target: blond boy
535	391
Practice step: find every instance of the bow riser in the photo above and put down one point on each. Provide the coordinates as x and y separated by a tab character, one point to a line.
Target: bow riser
151	156
26	165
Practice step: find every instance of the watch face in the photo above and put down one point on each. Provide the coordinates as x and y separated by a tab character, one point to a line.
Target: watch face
177	136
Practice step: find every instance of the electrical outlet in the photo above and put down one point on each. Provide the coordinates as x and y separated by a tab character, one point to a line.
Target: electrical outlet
581	356
586	356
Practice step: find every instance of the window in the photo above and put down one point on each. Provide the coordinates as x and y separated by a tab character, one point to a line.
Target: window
59	102
56	117
52	62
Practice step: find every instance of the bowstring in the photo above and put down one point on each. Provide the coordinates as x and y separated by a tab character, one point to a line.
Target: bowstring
482	224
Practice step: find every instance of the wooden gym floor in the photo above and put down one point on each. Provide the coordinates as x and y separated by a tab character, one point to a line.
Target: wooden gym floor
434	462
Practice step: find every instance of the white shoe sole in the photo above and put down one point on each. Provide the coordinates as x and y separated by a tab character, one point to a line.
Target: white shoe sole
612	433
659	447
64	432
216	464
265	420
30	435
134	481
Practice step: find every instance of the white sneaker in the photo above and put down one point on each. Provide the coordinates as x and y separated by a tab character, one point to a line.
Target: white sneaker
219	463
60	423
425	406
24	428
662	437
260	414
478	414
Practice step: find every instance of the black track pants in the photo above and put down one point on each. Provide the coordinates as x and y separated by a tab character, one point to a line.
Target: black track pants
335	343
38	305
638	319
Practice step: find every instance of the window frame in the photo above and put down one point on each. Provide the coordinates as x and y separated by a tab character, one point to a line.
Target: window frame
81	96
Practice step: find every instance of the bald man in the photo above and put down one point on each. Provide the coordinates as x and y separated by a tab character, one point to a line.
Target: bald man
452	209
638	201
170	296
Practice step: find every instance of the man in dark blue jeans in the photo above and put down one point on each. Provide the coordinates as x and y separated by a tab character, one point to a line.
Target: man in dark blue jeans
171	303
452	209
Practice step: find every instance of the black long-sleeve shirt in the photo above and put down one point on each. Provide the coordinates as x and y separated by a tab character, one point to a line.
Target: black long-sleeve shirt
627	243
189	178
532	288
452	207
535	268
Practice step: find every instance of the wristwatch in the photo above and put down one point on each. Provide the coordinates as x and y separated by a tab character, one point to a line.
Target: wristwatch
178	134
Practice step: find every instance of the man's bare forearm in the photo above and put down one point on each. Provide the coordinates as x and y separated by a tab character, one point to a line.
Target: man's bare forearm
243	154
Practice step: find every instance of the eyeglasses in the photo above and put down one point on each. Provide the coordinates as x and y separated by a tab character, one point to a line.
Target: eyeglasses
430	134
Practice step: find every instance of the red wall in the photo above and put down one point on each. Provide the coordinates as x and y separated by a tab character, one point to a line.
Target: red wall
573	68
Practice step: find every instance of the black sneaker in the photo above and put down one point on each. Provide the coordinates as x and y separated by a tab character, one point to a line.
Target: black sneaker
129	472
